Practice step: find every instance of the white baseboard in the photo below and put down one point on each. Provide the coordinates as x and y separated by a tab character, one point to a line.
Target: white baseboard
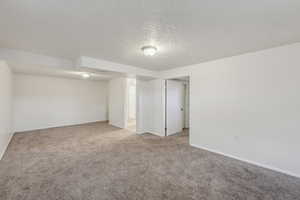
248	161
117	126
154	133
140	132
58	126
5	148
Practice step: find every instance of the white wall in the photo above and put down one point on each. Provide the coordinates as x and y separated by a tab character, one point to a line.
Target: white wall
43	102
248	107
118	102
6	131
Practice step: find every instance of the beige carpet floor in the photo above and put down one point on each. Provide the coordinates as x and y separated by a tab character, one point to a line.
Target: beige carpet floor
97	161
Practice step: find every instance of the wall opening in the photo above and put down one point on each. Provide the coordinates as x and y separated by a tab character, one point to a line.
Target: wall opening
177	109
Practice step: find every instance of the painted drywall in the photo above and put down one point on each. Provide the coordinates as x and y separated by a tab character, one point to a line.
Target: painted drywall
118	102
44	101
151	107
98	64
6	131
186	105
248	107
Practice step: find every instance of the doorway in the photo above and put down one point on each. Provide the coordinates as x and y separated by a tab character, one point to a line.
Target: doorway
177	106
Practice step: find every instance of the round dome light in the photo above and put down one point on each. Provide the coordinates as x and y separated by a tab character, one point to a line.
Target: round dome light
149	50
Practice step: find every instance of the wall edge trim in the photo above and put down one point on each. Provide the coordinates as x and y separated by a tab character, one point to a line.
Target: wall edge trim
5	149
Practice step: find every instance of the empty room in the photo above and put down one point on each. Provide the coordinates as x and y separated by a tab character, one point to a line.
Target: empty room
151	100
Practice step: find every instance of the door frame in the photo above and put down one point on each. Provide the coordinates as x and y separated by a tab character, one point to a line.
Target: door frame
165	102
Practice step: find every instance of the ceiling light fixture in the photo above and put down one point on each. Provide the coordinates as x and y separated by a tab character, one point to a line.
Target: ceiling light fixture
149	50
85	75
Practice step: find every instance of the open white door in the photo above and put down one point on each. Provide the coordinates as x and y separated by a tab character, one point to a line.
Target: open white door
117	102
151	107
174	106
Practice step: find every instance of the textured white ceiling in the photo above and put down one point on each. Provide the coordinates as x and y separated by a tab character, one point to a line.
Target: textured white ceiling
184	31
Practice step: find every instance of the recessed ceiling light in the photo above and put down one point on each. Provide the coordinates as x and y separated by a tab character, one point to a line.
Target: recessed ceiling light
149	50
85	75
